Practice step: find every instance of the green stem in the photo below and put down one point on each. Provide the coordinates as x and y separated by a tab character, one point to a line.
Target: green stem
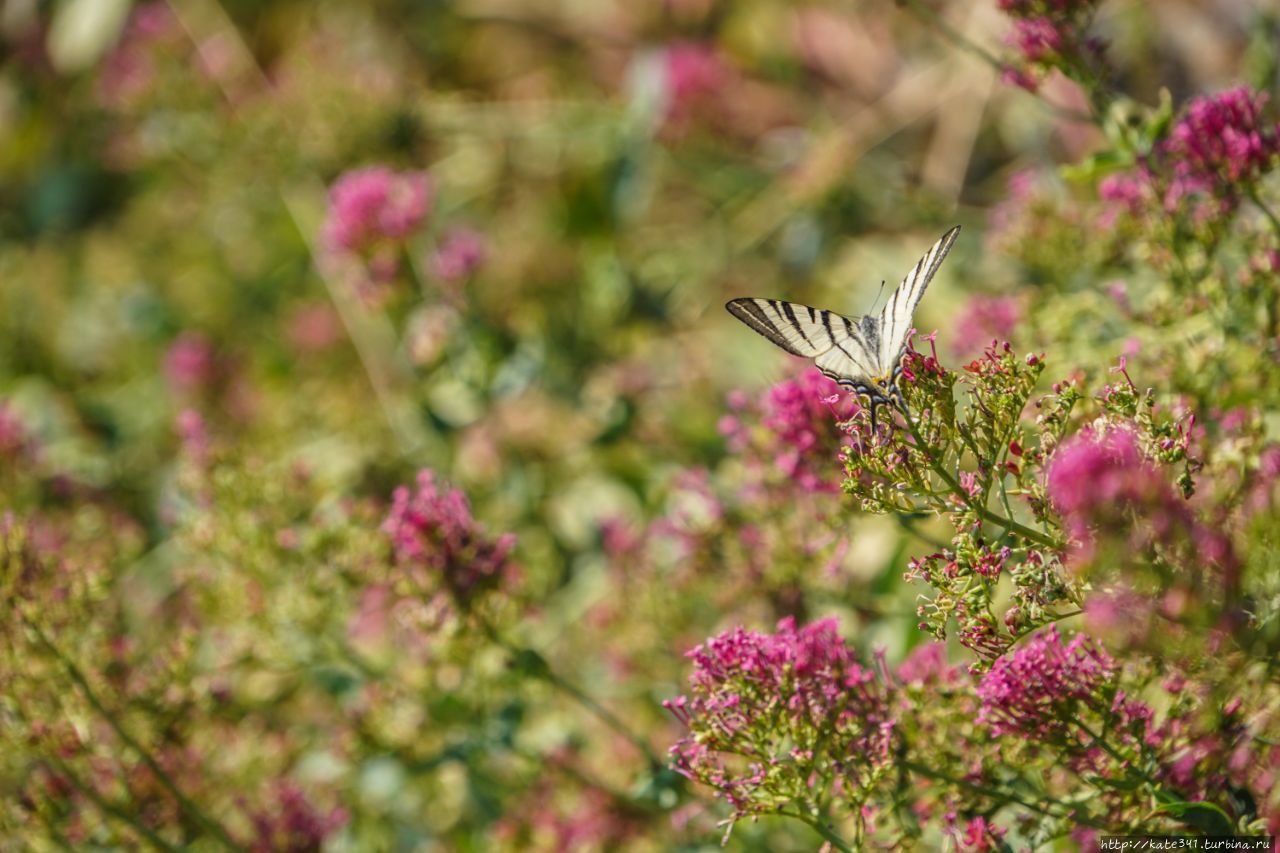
564	685
1057	618
822	829
984	513
207	823
1000	795
111	809
1256	198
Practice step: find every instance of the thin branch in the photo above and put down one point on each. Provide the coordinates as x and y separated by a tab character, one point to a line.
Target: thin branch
564	685
1256	198
984	513
82	684
822	829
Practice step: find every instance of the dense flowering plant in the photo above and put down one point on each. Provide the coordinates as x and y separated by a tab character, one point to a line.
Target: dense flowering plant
379	471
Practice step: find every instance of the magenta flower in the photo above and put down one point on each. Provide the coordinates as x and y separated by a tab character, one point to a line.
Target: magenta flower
459	255
193	435
190	364
1223	140
1037	38
292	823
374	204
372	212
1048	34
984	320
1092	477
801	433
433	532
767	713
1036	690
693	73
1220	146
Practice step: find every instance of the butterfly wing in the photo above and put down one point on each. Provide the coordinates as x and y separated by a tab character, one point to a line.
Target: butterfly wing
834	342
895	319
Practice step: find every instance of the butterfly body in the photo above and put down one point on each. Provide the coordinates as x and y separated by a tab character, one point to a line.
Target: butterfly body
862	353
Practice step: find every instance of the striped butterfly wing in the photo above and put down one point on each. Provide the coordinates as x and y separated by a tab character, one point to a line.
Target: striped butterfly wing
895	319
836	343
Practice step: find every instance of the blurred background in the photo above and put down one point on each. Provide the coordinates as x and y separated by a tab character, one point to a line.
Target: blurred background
209	389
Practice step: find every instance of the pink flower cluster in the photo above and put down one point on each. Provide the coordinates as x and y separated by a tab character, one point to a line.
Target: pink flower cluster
984	320
191	364
459	255
791	703
1220	145
128	73
1039	688
293	823
372	212
1219	148
1092	477
800	417
1048	33
693	73
432	531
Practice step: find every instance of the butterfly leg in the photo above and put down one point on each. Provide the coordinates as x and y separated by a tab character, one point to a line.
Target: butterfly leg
874	397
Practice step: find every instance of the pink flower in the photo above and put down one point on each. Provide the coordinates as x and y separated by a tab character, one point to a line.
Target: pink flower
1037	690
801	416
459	255
314	328
927	664
980	835
985	319
1037	38
693	73
1220	146
1222	140
747	686
190	364
290	822
1048	33
1122	193
193	435
431	530
371	214
1091	477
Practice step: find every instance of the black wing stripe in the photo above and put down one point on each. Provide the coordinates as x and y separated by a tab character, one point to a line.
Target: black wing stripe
749	311
895	319
795	324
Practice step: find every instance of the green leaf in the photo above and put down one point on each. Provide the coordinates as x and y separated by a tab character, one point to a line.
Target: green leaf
1205	817
1097	166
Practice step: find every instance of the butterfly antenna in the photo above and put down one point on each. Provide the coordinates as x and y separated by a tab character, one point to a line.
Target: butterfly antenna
878	295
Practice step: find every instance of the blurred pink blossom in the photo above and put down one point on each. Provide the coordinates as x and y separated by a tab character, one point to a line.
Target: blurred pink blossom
431	528
375	204
459	255
190	364
1222	143
983	320
288	821
314	327
372	213
693	73
193	435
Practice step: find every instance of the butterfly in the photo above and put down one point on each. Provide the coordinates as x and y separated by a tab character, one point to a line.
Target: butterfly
861	353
